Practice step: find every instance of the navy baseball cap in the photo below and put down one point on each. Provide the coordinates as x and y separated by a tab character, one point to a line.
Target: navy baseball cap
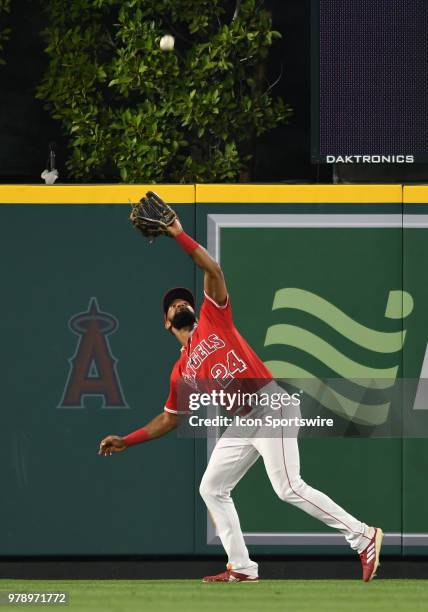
177	293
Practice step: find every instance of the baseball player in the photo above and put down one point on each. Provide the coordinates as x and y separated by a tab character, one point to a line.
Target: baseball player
212	348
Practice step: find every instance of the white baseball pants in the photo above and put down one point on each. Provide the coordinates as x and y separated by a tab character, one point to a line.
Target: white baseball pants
232	458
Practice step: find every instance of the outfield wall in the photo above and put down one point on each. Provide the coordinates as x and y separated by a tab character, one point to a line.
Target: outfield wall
84	354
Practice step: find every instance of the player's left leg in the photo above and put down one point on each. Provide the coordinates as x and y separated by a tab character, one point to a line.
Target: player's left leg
282	463
280	451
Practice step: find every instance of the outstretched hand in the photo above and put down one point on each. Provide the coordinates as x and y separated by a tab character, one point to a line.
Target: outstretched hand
153	217
110	445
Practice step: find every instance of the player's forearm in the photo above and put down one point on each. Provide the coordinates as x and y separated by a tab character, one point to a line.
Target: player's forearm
214	285
200	256
162	424
159	426
197	252
204	261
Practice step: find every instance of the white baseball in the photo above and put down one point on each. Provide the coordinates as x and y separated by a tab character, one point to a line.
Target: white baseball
167	42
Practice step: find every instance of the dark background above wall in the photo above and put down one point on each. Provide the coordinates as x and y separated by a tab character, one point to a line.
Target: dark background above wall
281	155
26	129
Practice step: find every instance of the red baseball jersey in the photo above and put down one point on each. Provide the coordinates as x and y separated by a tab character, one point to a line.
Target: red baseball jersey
216	352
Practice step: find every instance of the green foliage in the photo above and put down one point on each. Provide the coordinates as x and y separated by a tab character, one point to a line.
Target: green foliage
129	108
4	32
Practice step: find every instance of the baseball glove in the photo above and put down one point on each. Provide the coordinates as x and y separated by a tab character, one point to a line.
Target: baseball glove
152	216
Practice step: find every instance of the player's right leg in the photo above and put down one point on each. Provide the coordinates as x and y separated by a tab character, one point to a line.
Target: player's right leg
230	460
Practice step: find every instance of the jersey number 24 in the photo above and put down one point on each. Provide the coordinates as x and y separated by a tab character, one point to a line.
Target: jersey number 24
224	373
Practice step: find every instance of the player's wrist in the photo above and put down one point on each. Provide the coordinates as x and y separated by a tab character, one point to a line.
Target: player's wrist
186	242
175	228
136	437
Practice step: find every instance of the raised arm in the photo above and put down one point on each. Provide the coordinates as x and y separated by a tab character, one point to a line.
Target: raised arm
156	428
214	284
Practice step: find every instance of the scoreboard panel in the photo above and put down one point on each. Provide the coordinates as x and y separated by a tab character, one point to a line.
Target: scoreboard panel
369	81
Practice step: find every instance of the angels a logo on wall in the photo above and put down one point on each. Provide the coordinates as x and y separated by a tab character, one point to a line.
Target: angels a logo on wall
93	371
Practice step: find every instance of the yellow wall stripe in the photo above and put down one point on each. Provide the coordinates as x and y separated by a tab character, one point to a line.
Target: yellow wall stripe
227	194
92	194
415	194
299	193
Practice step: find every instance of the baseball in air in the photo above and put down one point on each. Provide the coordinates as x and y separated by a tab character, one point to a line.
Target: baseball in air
167	42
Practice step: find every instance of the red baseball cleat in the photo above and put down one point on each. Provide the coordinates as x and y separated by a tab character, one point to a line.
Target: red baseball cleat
370	556
230	576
